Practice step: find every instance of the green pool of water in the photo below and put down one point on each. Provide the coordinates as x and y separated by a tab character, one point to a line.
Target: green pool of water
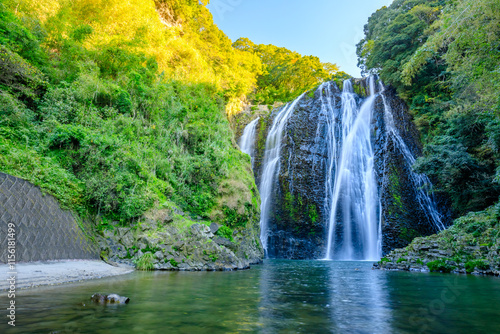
277	297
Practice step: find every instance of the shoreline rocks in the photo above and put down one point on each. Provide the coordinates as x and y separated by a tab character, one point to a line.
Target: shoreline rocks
195	247
470	246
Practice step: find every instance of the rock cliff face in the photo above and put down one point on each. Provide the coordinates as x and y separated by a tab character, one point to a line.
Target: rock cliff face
406	213
299	214
297	222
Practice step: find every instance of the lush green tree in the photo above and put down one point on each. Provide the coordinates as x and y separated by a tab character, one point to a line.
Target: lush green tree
115	109
392	36
286	74
443	58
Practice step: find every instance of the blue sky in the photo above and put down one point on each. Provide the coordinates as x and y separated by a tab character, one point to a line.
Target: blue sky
328	29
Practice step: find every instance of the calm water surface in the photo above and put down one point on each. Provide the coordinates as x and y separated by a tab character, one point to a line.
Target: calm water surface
277	297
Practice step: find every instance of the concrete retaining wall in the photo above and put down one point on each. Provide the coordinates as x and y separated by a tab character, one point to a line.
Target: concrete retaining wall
43	230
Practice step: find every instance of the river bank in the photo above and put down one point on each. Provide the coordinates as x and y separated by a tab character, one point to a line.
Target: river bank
34	274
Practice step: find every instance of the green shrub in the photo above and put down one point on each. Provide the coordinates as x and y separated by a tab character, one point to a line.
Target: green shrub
440	266
44	172
19	76
14	114
81	32
233	218
60	104
457	258
150	249
18	38
213	257
146	262
313	213
473	264
225	232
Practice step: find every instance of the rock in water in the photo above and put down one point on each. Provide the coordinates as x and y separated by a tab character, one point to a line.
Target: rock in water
109	299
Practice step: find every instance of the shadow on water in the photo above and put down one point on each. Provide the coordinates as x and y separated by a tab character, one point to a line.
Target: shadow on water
277	297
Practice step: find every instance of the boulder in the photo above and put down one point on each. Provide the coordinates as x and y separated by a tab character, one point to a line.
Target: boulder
223	242
214	227
109	299
159	255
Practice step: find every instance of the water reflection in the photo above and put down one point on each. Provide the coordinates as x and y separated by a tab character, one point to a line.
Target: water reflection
294	296
436	303
323	296
359	296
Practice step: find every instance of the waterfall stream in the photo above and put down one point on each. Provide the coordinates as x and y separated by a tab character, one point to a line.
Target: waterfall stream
353	231
248	139
271	167
420	181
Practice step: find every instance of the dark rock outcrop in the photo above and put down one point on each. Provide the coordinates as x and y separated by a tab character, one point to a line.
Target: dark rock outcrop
403	216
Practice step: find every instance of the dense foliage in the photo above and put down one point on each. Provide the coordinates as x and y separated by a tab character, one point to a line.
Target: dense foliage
443	57
286	74
115	109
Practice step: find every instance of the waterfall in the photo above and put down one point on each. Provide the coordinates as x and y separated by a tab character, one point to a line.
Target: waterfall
271	167
247	140
346	189
420	182
353	226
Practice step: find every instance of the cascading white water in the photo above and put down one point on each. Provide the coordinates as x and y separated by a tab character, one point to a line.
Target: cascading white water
247	140
271	167
354	218
332	144
421	182
342	138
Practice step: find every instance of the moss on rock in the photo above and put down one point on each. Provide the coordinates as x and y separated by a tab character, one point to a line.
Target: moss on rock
177	242
470	245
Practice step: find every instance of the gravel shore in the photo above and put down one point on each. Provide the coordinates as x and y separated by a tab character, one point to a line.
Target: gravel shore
35	274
